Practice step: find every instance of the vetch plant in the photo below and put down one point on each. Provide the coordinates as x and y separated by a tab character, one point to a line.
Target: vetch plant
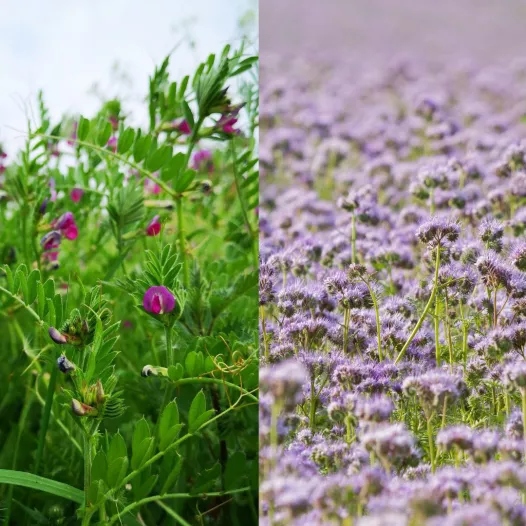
128	301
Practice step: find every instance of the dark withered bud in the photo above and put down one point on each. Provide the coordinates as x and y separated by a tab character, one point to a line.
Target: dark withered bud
80	409
206	186
56	336
64	365
43	206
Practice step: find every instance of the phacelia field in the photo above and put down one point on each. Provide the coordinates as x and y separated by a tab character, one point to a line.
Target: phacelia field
393	293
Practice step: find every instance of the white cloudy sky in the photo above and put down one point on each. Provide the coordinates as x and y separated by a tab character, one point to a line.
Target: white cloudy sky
66	47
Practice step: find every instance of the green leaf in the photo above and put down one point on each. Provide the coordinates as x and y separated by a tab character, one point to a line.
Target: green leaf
117	469
141	147
125	141
142	452
159	158
175	372
104	133
188	115
198	414
194	363
184	180
118	448
83	129
41	295
206	479
32	281
169	426
99	467
173	475
28	480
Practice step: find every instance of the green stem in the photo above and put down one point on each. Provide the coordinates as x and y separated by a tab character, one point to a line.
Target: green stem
346	321
431	443
312	404
155	498
264	331
377	316
87	468
437	330
353	238
448	332
426	309
172	514
217	381
182	244
44	422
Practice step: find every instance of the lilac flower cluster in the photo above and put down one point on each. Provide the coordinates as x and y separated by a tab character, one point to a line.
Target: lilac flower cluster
393	294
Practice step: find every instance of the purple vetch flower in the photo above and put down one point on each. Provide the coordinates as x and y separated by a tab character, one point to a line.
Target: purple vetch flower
64	365
202	160
154	227
158	300
57	336
67	226
76	194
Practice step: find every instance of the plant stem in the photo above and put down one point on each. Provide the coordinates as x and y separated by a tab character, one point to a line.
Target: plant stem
437	330
87	467
353	238
181	235
431	443
346	321
155	498
44	422
426	309
448	331
312	417
377	316
264	330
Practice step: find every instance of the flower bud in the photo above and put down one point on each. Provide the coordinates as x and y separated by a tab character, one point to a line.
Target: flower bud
100	393
64	365
56	336
80	409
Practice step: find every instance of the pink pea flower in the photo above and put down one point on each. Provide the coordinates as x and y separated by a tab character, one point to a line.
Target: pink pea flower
50	244
114	121
150	187
112	144
73	136
67	226
202	160
182	126
76	194
158	300
154	227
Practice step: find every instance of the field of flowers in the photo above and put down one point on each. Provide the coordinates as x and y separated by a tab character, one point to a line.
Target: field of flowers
392	293
128	308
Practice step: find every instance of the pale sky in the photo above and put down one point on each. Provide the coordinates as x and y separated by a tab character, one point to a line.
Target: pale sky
65	47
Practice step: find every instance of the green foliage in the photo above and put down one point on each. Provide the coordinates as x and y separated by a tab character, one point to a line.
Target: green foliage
75	299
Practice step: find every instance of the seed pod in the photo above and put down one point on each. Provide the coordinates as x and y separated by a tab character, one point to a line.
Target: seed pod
100	393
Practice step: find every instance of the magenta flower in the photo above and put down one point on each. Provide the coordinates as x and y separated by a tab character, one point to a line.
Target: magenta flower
158	300
73	136
76	194
154	227
151	187
182	126
67	226
203	161
114	121
112	144
50	244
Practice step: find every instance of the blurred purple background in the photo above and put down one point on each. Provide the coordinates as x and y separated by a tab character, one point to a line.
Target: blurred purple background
488	30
